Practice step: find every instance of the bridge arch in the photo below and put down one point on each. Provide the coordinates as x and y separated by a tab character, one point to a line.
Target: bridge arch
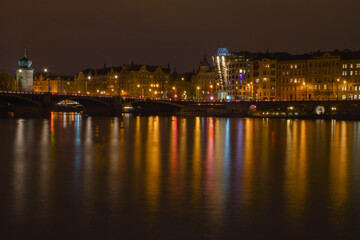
92	105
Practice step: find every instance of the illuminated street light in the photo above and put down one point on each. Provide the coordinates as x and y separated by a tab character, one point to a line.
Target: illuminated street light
86	83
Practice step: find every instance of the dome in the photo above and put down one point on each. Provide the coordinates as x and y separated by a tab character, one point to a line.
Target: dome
25	62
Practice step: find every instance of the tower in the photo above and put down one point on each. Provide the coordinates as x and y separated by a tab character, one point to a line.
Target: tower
24	74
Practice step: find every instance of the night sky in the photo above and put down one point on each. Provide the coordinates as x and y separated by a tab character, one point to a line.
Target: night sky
68	35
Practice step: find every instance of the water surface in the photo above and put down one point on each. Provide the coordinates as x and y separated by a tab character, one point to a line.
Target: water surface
74	177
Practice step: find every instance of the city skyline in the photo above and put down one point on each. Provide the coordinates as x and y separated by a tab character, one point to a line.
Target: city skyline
67	37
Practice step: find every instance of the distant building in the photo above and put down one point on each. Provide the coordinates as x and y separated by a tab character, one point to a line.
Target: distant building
240	73
126	80
182	86
45	82
204	81
283	76
24	74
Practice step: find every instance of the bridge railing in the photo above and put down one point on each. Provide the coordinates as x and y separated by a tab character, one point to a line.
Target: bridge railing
21	92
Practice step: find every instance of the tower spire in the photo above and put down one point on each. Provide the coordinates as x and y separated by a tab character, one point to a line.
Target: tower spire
25	52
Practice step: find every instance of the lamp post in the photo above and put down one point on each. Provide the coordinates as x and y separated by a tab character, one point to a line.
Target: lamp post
48	79
174	88
86	84
211	91
337	88
304	84
197	93
295	88
345	83
252	90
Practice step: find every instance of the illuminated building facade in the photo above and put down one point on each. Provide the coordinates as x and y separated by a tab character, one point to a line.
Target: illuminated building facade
239	79
291	80
127	80
348	84
204	81
316	76
24	74
323	70
44	82
221	67
264	83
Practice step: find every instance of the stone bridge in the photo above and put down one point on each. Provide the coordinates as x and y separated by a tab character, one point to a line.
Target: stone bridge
31	104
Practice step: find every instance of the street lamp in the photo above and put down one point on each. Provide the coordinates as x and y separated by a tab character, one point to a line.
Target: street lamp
345	90
304	85
86	84
46	75
197	92
252	90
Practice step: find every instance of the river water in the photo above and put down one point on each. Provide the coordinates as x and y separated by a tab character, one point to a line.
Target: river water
75	177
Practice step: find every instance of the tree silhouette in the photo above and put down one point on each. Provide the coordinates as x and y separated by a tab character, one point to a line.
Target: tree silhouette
7	82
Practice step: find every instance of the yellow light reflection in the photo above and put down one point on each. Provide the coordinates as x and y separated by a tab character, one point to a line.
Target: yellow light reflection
153	163
248	181
197	156
296	168
174	158
340	146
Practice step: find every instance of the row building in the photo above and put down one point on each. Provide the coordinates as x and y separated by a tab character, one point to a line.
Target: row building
244	75
140	81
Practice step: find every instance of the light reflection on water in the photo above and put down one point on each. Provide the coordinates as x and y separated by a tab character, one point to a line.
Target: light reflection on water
186	177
